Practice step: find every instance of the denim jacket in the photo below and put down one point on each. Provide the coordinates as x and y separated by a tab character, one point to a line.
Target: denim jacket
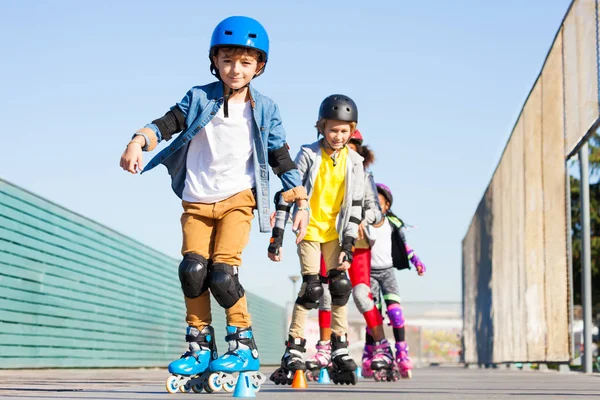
199	106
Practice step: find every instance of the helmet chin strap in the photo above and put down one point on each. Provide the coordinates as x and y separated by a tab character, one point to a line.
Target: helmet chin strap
226	99
231	91
335	153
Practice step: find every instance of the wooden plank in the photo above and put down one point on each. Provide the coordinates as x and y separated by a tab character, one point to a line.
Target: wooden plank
581	71
534	219
517	246
469	290
555	207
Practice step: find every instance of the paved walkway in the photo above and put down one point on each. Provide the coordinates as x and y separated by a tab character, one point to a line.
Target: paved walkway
427	383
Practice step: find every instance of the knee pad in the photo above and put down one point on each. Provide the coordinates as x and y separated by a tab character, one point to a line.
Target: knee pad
193	271
363	298
310	292
339	287
225	285
394	312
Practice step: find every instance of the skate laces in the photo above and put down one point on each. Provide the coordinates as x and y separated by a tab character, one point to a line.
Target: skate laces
383	350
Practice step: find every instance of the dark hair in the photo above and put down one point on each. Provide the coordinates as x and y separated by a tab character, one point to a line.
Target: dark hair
365	152
391	214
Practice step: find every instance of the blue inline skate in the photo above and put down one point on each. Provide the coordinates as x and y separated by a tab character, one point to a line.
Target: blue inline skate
191	371
242	356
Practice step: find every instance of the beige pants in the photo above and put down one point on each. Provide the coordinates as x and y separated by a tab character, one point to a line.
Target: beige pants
218	232
310	261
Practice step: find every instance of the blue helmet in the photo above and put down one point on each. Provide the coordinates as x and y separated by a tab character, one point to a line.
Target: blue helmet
242	32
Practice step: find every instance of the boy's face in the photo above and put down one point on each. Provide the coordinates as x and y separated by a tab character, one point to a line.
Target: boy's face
236	69
337	133
385	206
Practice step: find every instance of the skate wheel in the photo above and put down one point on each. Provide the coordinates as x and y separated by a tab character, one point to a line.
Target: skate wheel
213	383
228	387
407	374
185	388
197	389
256	388
377	376
171	384
353	379
309	375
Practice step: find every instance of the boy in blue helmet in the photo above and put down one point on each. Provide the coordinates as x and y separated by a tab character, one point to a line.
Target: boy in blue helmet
228	132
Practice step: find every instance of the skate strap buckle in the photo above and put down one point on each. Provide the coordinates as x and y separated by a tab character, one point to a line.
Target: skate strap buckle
233	353
200	338
238	336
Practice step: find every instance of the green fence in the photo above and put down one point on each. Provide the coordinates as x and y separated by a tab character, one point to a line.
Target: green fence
74	293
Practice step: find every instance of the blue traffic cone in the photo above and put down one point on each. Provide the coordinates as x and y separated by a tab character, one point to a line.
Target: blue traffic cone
244	388
358	373
324	376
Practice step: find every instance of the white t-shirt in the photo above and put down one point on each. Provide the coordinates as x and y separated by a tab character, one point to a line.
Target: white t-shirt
219	159
381	250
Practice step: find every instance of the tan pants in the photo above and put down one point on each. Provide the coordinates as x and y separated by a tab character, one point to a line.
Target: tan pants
310	261
218	232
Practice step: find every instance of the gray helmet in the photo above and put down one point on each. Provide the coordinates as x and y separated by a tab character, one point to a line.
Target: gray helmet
339	107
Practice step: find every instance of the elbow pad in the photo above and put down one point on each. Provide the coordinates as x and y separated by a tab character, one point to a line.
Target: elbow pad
172	122
280	160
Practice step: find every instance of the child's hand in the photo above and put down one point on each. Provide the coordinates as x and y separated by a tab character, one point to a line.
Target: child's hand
132	159
343	262
361	231
418	264
276	256
301	221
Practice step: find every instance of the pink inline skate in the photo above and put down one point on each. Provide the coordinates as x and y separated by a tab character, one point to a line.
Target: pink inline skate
404	363
383	365
367	356
321	359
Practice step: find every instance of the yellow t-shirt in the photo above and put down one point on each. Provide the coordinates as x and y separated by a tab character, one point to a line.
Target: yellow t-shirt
327	198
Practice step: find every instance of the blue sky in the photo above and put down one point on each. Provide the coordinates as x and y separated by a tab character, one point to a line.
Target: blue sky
438	84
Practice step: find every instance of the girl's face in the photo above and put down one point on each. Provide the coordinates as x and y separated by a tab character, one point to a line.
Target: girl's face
337	134
385	205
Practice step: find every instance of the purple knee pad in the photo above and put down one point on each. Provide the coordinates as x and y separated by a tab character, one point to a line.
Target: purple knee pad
394	312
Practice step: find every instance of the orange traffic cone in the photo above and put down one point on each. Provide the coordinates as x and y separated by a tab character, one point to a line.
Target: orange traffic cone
299	381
